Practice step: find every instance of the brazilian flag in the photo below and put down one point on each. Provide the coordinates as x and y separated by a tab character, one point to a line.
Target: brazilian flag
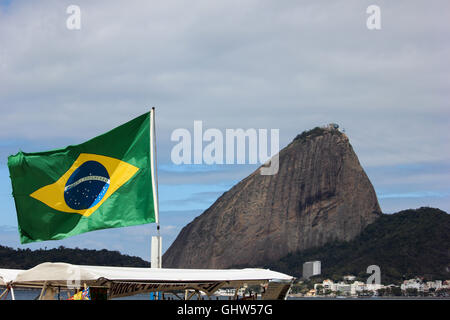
103	183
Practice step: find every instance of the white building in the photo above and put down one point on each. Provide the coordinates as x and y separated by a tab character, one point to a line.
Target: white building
373	286
344	288
434	285
357	287
349	278
311	268
328	285
347	288
413	284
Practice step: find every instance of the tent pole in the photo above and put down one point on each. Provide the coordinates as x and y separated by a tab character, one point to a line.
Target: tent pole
4	293
44	287
13	297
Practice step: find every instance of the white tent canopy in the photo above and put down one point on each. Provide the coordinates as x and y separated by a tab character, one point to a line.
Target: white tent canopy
123	281
8	275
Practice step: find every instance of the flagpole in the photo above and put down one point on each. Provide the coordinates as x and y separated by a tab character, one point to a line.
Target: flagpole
156	243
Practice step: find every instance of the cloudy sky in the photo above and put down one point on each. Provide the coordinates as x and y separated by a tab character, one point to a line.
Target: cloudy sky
287	65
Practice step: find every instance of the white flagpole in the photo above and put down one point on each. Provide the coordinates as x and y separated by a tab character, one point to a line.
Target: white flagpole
156	246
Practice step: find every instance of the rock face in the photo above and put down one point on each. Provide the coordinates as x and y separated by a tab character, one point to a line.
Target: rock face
320	194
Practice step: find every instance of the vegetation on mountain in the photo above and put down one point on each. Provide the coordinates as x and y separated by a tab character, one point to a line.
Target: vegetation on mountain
410	243
315	132
25	258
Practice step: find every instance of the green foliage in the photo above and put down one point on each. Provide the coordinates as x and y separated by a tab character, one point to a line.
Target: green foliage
310	133
317	131
404	245
25	258
412	292
389	291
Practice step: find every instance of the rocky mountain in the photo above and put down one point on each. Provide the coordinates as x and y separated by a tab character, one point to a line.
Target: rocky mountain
320	194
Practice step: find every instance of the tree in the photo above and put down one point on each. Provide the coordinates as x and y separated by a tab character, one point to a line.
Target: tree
396	291
381	292
319	289
411	292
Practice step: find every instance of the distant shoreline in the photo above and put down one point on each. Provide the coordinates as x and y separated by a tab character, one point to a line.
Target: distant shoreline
31	294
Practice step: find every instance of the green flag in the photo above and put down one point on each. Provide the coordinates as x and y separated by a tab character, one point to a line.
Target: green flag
103	183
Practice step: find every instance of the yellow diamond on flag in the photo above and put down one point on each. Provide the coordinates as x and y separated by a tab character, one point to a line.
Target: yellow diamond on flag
88	183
